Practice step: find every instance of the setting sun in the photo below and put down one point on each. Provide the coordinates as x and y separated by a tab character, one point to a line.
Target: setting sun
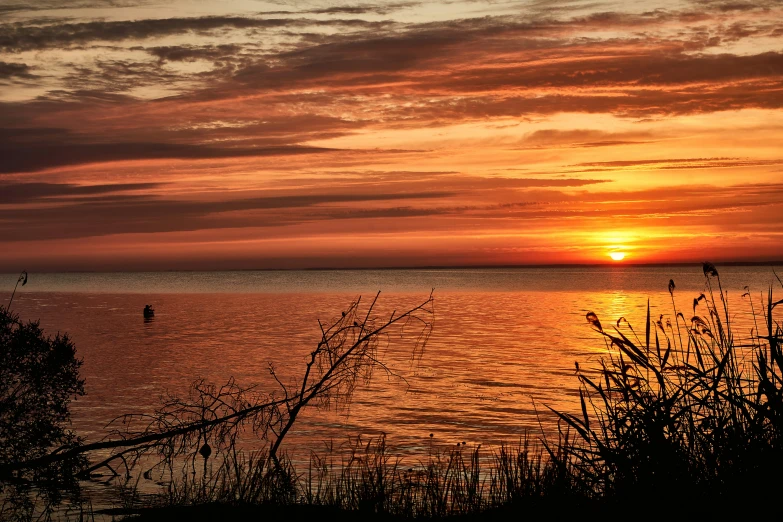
617	256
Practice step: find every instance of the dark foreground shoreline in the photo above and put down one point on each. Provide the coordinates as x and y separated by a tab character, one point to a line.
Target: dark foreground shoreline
539	509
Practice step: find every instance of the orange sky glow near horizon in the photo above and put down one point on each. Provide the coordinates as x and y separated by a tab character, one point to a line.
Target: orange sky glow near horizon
277	134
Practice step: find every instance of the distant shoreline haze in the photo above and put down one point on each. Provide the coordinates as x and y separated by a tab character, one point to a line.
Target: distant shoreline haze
8	275
54	270
651	279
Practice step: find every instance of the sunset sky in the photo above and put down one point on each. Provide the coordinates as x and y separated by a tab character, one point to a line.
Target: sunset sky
210	134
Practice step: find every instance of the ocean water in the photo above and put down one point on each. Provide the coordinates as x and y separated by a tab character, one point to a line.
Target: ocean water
502	348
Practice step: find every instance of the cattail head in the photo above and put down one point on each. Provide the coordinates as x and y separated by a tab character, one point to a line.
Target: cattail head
593	320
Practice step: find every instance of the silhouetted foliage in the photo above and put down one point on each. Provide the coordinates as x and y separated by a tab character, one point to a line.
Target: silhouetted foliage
39	375
688	413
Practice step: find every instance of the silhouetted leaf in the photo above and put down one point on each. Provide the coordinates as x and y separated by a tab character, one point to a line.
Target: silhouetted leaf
696	302
584	409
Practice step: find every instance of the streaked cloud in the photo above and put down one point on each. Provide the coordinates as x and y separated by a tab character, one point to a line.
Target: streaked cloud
11	70
18	37
16	193
482	124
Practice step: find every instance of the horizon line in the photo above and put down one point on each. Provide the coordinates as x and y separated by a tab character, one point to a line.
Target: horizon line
421	267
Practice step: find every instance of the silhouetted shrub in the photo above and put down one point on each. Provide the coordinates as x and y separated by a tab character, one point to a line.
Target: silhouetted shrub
688	413
39	375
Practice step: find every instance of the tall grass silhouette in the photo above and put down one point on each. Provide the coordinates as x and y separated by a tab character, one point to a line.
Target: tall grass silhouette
689	412
369	479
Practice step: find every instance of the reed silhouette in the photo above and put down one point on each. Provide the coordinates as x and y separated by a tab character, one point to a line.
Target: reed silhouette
688	413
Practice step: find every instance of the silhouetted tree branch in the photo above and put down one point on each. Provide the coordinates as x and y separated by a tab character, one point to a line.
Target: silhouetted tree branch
211	418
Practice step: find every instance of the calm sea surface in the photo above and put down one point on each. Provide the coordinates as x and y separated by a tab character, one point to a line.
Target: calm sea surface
503	345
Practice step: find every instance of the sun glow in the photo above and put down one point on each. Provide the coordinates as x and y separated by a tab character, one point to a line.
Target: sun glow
617	256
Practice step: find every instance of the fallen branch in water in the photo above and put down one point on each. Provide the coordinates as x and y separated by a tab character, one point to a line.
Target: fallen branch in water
211	418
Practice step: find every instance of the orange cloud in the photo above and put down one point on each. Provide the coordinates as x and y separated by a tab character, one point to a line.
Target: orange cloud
397	134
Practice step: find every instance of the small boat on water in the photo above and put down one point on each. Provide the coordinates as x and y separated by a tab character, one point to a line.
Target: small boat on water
149	312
